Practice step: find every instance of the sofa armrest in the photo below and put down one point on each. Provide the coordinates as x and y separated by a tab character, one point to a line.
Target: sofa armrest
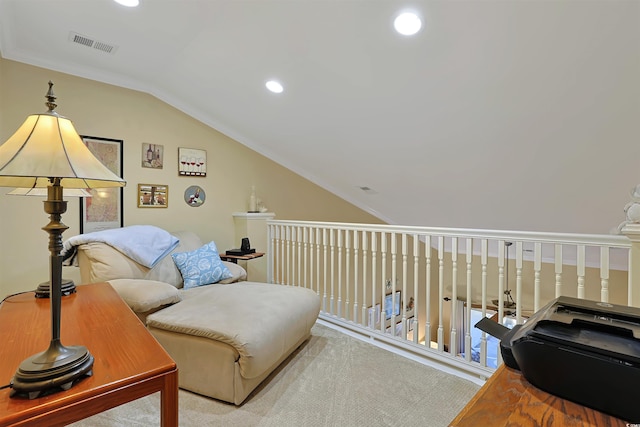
239	273
144	295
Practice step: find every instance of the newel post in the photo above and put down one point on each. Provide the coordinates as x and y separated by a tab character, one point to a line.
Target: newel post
632	231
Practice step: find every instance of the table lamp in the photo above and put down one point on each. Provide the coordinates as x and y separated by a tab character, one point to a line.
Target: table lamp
47	152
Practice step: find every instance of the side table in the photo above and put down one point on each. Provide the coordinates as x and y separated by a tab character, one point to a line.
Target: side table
234	258
508	399
129	362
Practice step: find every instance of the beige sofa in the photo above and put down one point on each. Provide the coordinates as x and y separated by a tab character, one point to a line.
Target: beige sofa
227	337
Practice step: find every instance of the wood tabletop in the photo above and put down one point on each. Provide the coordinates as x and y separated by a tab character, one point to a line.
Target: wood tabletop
508	399
226	257
129	362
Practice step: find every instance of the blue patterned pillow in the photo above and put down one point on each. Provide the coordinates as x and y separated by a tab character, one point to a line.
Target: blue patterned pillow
201	267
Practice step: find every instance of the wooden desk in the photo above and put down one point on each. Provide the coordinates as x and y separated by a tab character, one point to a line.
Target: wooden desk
507	399
129	362
235	258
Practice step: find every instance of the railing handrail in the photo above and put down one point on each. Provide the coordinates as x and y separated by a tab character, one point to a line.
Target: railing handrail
612	240
355	268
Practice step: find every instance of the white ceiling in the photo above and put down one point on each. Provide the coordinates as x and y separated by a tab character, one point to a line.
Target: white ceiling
498	114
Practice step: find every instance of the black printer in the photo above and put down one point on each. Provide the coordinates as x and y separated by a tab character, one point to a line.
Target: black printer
584	351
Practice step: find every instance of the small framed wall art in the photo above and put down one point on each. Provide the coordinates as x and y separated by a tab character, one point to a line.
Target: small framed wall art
192	162
152	155
194	196
153	196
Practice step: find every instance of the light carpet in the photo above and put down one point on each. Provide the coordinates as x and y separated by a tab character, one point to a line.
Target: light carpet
332	380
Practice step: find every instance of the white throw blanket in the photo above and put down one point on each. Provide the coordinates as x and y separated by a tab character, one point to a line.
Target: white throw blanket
145	244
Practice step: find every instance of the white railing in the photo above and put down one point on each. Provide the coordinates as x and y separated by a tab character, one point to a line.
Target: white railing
423	288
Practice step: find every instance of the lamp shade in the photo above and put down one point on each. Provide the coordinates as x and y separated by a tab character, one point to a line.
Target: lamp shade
48	146
42	192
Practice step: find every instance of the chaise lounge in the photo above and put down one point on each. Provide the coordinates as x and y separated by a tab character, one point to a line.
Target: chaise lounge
226	337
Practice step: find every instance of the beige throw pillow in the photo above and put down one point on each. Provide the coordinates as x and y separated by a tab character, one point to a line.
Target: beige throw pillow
143	295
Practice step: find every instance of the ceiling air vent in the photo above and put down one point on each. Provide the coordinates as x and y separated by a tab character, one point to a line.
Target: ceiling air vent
368	190
89	42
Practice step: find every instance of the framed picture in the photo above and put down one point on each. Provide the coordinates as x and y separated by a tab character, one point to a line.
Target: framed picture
192	162
392	305
152	155
153	196
373	316
103	210
398	329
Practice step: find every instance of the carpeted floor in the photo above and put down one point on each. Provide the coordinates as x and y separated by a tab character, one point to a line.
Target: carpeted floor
332	380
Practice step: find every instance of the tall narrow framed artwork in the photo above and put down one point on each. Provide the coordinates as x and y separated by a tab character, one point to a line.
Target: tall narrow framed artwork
103	210
152	155
192	162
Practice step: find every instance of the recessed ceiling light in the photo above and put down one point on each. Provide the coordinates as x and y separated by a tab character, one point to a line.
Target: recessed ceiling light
274	86
128	3
407	23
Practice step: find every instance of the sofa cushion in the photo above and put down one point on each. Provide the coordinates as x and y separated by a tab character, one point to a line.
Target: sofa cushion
100	262
165	270
202	266
261	321
145	295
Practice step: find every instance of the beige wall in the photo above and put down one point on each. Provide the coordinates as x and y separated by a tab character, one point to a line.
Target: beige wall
107	111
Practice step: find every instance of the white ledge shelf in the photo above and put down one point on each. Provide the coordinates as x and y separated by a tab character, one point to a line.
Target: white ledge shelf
254	215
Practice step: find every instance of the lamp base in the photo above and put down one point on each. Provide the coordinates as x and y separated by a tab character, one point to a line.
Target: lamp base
44	289
53	370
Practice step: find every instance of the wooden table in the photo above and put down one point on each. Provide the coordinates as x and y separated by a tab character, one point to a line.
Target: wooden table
129	362
235	258
507	399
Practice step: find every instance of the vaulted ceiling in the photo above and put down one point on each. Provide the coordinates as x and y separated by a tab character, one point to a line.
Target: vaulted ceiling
497	114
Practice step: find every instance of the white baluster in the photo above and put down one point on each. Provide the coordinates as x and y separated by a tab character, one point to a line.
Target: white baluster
333	273
364	277
519	282
501	251
403	306
356	282
537	267
440	293
604	274
454	296
467	326
558	269
416	303
374	251
299	253
427	302
383	267
305	255
394	278
339	272
288	262
312	285
347	236
484	245
281	254
580	266
324	269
